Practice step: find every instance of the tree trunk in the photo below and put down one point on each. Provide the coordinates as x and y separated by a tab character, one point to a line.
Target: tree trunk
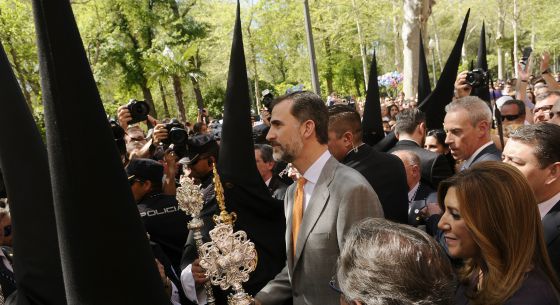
164	100
515	47
396	39
357	82
148	98
254	62
329	72
197	92
178	91
499	36
416	13
436	38
362	47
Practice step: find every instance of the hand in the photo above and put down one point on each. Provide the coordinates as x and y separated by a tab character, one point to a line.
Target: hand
160	133
170	163
152	120
461	86
198	273
161	271
523	73
545	61
123	116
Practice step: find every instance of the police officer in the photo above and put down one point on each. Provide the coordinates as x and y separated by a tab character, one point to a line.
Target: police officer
164	221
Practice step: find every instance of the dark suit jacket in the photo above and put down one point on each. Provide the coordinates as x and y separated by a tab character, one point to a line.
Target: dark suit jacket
277	188
424	190
489	153
435	167
386	175
551	228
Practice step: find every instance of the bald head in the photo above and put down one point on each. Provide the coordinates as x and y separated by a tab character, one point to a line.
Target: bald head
412	164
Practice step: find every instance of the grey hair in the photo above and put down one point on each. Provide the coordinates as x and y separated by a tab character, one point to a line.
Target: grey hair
476	109
266	152
386	263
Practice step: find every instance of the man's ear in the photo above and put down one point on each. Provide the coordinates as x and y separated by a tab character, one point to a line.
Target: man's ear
308	128
147	186
554	174
483	127
348	139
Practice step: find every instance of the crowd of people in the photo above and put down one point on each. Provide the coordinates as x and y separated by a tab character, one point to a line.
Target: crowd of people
467	214
443	217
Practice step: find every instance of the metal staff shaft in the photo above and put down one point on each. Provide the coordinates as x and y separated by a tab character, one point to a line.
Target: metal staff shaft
195	225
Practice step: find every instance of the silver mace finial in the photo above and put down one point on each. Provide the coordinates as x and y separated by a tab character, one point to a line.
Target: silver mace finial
230	257
191	201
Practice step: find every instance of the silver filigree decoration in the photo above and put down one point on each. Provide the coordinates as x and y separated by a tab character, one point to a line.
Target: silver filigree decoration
191	200
228	259
189	196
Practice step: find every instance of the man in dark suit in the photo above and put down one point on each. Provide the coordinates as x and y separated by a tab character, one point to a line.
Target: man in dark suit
467	124
384	172
411	131
418	191
265	166
535	151
320	208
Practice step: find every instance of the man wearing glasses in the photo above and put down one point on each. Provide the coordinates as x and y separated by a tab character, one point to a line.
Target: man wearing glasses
545	102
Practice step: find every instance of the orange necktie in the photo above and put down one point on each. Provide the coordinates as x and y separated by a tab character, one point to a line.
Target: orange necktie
297	212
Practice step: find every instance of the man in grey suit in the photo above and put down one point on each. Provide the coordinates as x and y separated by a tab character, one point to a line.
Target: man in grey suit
467	124
320	208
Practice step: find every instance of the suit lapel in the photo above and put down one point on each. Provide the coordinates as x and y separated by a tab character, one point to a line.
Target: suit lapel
288	207
315	206
551	224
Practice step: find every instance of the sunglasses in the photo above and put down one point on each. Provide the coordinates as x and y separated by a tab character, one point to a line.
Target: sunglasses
512	117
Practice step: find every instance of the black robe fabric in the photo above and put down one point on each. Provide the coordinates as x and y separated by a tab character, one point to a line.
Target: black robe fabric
387	177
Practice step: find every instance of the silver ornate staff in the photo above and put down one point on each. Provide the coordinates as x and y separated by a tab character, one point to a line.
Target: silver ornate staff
191	201
230	256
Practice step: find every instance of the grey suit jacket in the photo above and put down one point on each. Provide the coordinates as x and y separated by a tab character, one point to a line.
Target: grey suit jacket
341	198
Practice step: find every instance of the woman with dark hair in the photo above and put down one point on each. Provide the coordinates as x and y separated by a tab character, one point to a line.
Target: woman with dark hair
435	141
492	222
393	110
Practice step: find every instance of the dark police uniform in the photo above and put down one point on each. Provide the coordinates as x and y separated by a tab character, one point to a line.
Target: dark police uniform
166	224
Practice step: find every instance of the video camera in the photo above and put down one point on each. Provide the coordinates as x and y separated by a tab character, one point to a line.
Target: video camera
139	111
477	78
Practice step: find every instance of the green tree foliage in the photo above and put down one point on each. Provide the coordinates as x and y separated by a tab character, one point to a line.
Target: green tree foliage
136	45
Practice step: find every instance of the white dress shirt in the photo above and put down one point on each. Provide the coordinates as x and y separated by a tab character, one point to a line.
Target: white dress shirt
312	174
546	206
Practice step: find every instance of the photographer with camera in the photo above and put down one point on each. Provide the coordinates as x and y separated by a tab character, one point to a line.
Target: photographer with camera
137	145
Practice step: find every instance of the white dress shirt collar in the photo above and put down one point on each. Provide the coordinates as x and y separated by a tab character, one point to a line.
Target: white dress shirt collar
312	174
412	192
546	206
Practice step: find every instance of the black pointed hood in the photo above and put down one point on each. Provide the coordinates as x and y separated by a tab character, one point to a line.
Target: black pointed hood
434	104
23	159
246	194
105	254
482	63
424	87
372	126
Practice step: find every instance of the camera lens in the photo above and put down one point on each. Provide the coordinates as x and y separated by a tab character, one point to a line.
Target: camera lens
177	135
